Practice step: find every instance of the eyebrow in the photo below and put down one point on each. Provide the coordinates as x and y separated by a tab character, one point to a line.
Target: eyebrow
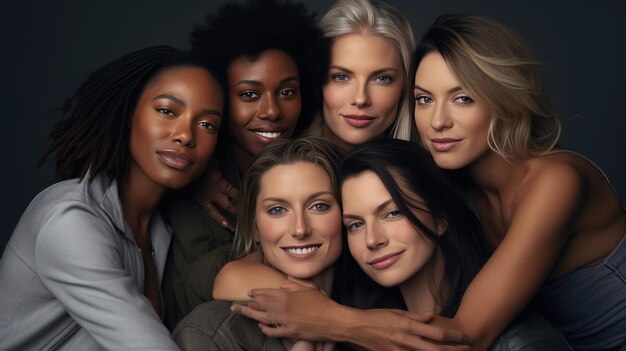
212	112
312	196
208	111
378	209
384	69
170	97
258	83
451	90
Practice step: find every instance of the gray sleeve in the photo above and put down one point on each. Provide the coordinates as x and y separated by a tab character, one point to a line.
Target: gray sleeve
80	260
530	332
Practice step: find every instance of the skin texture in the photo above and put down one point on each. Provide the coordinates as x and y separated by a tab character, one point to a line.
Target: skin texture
173	136
174	127
386	245
364	87
264	97
372	230
546	215
445	105
296	209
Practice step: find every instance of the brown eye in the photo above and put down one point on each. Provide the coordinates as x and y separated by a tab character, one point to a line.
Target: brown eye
165	112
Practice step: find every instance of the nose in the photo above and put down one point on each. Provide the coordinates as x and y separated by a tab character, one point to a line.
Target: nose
361	95
182	133
440	119
375	238
269	108
301	228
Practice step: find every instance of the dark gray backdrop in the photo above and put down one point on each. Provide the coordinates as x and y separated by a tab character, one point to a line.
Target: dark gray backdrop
49	47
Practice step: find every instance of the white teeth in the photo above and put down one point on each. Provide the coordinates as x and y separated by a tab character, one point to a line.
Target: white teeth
303	251
270	135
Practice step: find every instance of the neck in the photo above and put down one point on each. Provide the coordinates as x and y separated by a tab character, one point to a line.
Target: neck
424	290
139	197
492	173
324	280
328	134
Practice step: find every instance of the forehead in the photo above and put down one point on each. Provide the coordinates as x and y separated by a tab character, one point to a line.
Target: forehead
367	50
363	189
186	82
271	63
433	70
292	180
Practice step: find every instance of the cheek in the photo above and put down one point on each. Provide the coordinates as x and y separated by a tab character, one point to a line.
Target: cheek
240	113
142	132
268	230
356	244
206	147
291	111
332	96
477	122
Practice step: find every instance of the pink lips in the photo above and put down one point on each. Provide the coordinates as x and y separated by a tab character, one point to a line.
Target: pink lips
444	144
385	261
175	159
359	121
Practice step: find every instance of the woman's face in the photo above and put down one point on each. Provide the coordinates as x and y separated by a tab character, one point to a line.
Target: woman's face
298	219
385	244
174	126
363	89
264	100
451	124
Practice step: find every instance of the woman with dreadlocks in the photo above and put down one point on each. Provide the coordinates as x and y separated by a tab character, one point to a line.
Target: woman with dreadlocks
83	266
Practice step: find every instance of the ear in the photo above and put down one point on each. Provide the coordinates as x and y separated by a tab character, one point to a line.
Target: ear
441	226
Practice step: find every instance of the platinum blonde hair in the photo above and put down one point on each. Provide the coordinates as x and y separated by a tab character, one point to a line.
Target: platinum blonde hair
367	17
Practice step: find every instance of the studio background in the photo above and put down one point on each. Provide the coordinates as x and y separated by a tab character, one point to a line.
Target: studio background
50	47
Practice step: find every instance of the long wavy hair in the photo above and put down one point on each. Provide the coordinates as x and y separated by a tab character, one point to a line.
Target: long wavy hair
499	70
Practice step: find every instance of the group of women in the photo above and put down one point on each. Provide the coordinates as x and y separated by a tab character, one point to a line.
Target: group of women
388	197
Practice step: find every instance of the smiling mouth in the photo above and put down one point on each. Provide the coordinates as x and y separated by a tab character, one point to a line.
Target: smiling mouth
385	261
305	250
269	135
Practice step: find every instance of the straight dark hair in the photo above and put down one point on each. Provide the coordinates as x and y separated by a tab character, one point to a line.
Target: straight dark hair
408	171
96	135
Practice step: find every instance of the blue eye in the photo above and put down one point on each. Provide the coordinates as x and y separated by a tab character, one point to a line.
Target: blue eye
355	226
464	99
276	210
384	80
394	213
340	77
320	207
423	100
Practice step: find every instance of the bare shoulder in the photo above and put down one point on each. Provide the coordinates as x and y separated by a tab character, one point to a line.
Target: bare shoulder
558	177
237	277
